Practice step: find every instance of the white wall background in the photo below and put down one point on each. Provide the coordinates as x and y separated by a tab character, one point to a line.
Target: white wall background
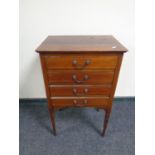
39	18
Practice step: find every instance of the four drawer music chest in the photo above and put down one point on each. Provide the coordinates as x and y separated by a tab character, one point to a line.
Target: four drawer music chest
80	71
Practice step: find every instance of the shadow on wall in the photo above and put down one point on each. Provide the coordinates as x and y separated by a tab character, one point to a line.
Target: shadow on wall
31	81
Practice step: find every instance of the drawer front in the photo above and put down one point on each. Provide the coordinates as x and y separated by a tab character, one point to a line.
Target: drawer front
81	61
80	77
80	102
76	90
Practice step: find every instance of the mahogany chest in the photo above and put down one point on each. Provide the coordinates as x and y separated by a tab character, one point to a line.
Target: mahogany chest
80	71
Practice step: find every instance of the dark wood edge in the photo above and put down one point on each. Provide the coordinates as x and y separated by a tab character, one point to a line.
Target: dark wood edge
79	52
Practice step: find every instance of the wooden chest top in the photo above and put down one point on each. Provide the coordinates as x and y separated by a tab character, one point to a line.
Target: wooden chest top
106	43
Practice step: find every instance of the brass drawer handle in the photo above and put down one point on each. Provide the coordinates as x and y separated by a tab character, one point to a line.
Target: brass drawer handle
78	94
76	103
78	66
86	77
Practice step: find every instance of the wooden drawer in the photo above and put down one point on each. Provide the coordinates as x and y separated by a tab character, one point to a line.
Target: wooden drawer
80	61
80	102
79	90
80	77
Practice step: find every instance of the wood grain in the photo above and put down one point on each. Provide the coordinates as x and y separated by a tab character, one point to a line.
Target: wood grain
80	90
83	44
61	61
90	102
94	77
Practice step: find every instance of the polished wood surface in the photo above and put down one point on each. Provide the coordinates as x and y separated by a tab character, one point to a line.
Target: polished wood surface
80	71
83	44
80	102
80	77
78	61
80	90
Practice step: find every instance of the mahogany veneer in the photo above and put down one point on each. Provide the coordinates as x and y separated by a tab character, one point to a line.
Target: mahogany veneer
80	71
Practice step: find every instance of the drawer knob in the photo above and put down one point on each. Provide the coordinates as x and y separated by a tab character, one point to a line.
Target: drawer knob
86	90
78	66
78	94
76	103
86	77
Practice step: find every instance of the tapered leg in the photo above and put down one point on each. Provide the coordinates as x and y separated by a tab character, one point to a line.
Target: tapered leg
106	119
52	116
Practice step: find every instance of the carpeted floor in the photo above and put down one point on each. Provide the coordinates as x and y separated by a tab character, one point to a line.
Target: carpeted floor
78	130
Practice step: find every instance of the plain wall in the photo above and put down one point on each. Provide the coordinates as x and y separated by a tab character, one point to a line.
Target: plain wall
40	18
